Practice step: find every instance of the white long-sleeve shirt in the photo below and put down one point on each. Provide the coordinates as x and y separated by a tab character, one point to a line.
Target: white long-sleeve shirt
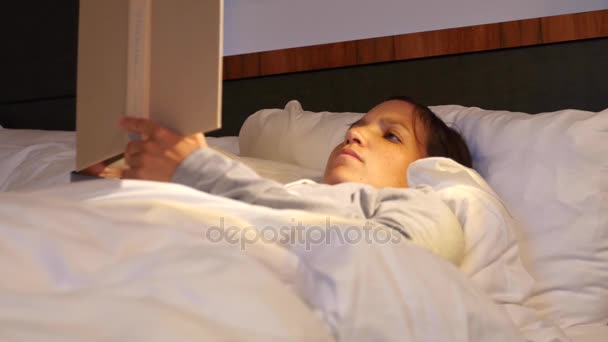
418	214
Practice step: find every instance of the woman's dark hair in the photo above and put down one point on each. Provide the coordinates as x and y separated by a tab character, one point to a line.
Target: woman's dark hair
441	139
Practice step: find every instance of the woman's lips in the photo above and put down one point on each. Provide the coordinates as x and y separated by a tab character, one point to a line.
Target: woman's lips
351	153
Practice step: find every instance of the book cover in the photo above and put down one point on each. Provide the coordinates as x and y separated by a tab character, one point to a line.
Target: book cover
160	59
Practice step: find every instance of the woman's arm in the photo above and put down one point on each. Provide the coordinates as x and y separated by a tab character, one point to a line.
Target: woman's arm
424	217
212	172
164	155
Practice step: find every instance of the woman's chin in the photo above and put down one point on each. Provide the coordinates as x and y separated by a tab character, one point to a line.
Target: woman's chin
338	176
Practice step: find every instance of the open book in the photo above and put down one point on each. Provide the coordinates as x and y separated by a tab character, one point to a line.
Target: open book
160	59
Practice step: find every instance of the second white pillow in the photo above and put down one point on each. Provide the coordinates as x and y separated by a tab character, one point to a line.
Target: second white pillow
293	135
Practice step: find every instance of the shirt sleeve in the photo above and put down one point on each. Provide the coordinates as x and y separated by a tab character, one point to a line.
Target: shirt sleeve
419	214
424	217
212	172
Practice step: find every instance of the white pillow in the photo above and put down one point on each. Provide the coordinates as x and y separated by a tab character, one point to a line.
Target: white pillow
491	258
293	135
276	170
229	144
550	169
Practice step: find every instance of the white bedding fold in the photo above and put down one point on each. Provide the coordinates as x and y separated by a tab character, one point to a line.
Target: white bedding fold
128	260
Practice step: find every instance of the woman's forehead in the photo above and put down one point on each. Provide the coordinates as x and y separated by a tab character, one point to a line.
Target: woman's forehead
395	111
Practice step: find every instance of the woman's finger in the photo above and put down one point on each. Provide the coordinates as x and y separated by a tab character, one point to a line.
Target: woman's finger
111	172
94	170
131	173
132	149
136	166
134	146
134	161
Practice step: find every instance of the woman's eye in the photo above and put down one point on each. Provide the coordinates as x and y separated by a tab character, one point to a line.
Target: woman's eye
392	137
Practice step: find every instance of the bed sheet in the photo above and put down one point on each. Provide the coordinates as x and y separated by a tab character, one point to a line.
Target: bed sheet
34	159
134	260
31	159
588	333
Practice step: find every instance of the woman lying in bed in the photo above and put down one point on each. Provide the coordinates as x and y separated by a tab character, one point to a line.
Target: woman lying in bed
365	175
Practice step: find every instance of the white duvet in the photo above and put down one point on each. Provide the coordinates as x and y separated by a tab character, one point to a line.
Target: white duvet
134	260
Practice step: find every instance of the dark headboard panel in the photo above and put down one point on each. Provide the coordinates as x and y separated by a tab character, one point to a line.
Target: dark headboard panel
532	79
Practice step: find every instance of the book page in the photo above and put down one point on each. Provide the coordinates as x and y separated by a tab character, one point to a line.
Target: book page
160	59
186	76
138	54
101	86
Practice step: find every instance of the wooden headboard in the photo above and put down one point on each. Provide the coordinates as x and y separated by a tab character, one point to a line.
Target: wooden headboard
529	65
487	37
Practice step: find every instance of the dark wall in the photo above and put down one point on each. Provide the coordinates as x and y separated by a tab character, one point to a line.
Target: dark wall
38	76
532	80
38	62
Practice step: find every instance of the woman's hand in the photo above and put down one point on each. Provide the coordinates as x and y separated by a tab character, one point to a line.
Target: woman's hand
103	170
158	152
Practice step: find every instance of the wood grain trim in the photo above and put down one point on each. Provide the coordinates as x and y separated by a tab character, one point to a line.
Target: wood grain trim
477	38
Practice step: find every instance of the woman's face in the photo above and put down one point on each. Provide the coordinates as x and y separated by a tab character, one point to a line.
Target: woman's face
377	149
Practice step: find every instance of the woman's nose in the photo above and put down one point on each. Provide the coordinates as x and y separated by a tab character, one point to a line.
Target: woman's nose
354	136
